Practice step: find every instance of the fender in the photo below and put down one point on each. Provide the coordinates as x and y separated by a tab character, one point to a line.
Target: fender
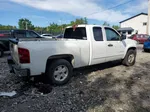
128	48
129	44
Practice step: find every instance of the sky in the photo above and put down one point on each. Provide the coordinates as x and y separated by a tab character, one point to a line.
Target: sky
43	12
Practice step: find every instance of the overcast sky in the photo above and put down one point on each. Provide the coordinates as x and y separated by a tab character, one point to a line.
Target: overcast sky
43	12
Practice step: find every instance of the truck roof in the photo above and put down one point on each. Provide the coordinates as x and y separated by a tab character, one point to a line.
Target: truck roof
12	30
89	25
20	30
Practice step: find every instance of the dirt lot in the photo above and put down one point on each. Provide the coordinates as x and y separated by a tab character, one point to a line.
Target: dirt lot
110	87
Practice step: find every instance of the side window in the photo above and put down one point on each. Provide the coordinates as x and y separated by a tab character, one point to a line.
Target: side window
142	36
146	36
19	34
138	36
30	34
98	35
112	35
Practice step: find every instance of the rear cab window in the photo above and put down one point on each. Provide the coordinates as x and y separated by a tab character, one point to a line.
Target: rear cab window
76	33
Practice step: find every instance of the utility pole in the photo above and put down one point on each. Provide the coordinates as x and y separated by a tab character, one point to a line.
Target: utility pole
148	19
26	25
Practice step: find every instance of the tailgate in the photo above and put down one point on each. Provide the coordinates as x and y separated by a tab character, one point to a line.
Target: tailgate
14	50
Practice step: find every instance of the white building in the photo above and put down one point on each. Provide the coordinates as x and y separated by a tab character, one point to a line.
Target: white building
134	25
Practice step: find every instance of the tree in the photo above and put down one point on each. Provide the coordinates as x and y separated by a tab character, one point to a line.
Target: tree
79	21
25	24
116	27
7	27
39	29
85	21
105	24
54	28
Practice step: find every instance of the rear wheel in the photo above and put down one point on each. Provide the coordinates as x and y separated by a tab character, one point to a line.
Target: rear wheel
59	72
1	52
130	58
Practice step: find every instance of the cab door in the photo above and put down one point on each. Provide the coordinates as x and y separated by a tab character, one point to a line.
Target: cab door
114	46
98	46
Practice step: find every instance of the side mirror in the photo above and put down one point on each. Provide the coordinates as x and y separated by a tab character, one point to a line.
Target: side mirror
123	37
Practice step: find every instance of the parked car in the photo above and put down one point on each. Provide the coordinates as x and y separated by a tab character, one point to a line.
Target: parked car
4	38
140	38
146	45
47	35
58	36
83	45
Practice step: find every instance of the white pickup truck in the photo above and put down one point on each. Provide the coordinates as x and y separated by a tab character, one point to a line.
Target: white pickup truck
83	45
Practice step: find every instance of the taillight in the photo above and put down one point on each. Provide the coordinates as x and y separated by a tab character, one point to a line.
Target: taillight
1	35
4	35
24	55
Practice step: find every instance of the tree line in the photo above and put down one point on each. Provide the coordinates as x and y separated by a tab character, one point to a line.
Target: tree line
52	28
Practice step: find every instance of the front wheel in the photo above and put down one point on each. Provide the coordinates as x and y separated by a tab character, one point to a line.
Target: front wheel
59	72
146	50
1	52
130	58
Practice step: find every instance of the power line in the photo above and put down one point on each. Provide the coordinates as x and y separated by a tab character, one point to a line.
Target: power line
112	7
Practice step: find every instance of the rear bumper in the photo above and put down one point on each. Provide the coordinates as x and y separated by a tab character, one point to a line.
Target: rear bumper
16	69
146	48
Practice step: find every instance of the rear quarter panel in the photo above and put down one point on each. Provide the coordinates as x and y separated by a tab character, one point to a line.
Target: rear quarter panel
40	51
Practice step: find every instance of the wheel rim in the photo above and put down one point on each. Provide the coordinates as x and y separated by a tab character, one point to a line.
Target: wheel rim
131	58
60	73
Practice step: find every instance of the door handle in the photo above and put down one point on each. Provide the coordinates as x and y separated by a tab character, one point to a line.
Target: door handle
110	45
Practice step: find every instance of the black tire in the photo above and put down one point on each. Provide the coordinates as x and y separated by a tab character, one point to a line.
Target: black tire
54	66
1	52
146	50
126	60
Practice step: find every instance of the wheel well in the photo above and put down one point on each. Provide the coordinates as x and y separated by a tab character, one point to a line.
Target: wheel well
67	57
132	48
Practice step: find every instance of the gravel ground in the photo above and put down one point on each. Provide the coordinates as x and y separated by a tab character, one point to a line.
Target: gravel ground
109	87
